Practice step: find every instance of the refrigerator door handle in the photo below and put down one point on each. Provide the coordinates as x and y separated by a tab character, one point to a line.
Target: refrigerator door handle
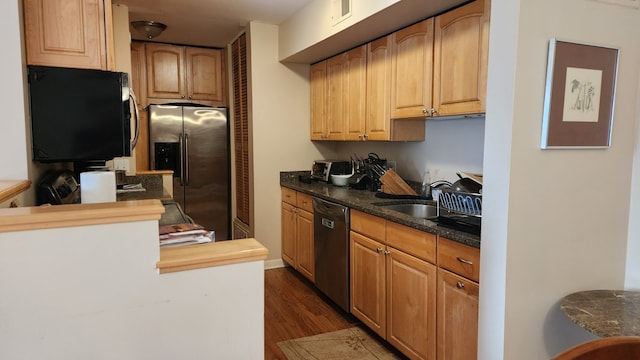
186	159
182	160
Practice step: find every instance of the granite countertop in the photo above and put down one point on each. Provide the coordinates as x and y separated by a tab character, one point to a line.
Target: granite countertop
365	201
604	312
151	183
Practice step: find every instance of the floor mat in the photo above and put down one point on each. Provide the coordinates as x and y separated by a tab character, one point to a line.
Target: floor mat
353	344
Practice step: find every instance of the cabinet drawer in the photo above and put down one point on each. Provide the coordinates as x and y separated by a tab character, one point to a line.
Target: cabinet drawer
304	202
289	196
368	225
412	241
459	258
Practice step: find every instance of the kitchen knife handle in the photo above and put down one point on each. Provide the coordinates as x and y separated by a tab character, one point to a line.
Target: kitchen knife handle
182	161
186	158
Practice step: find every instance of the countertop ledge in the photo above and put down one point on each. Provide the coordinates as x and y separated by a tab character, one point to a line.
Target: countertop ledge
365	201
11	188
226	252
46	217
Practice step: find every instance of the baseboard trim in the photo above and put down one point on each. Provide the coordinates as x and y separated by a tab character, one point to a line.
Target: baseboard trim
274	264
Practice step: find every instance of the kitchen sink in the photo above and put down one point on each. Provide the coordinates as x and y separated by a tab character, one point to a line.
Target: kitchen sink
419	210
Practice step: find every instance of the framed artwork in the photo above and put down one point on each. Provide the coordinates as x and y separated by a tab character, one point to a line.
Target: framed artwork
579	96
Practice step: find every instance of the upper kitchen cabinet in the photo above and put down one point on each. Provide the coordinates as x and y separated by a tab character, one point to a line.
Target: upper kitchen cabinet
318	101
338	96
461	44
69	33
411	70
350	97
378	123
185	73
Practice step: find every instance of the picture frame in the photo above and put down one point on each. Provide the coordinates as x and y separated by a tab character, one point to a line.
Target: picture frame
579	96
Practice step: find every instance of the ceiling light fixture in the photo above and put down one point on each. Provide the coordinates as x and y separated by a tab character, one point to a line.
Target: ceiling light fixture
149	29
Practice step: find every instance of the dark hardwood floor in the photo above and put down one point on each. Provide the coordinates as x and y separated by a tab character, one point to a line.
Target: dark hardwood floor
294	308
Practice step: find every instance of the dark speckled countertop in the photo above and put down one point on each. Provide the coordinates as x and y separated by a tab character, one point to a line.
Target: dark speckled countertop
365	201
604	312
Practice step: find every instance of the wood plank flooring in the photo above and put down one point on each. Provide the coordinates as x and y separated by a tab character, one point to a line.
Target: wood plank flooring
294	308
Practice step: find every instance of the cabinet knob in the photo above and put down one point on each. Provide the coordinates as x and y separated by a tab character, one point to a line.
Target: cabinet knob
424	111
378	250
387	252
459	285
365	136
182	96
433	111
189	97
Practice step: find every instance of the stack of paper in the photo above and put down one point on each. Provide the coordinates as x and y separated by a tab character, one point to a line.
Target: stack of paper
185	234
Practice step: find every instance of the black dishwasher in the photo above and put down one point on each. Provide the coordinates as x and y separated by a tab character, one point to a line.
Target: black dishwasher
331	245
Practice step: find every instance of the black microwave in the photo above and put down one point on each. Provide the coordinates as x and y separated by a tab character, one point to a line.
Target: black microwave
79	115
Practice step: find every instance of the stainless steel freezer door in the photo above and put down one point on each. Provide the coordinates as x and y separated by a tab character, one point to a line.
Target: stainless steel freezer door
165	134
206	168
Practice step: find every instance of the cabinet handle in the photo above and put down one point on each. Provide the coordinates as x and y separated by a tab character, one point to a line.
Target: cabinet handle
459	285
387	252
378	250
182	96
189	97
464	261
365	136
424	111
360	136
433	112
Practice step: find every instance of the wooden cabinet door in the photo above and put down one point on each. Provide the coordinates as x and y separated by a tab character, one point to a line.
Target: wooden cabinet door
411	70
165	71
457	317
67	33
305	262
411	305
460	59
368	282
336	99
288	233
378	115
205	80
318	101
355	93
138	82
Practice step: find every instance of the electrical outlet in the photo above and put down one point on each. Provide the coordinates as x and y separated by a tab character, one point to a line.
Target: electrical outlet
121	164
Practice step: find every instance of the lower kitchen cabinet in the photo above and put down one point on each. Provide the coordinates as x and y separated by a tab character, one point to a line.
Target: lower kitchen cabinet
411	304
458	292
457	317
392	291
368	285
297	232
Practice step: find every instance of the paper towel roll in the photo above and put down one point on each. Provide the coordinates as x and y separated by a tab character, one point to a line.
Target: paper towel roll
97	186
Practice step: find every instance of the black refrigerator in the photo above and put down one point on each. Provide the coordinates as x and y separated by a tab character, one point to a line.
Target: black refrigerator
193	141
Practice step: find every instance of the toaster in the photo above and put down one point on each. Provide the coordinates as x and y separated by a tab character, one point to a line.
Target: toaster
322	169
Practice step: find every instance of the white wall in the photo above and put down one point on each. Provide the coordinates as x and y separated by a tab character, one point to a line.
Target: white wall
279	117
632	280
13	137
314	24
554	221
449	146
93	292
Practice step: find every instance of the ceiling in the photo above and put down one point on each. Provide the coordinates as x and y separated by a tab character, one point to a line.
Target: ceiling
211	23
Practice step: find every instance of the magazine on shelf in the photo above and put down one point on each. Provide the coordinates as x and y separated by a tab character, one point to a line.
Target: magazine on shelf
184	234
